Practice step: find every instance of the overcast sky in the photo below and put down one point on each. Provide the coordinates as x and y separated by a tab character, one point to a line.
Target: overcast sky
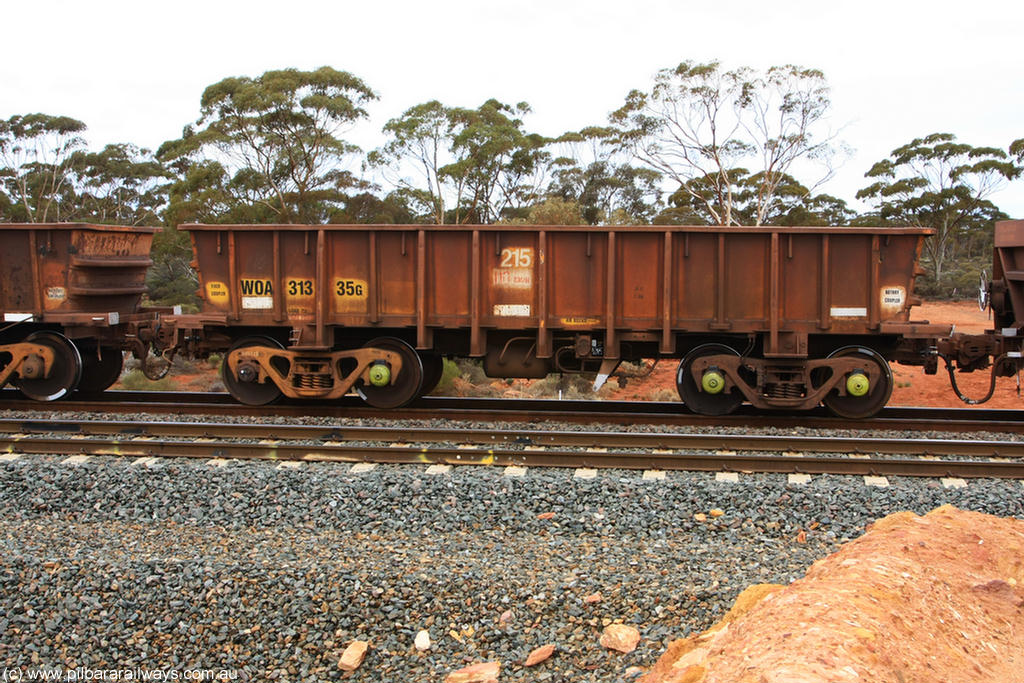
899	69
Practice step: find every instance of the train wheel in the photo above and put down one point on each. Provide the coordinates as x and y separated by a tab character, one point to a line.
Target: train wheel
863	398
710	398
246	388
433	370
398	391
64	374
98	373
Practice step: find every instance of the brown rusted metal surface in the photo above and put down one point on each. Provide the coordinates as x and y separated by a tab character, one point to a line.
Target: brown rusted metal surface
534	299
328	381
82	279
1000	348
26	359
53	269
552	280
1008	274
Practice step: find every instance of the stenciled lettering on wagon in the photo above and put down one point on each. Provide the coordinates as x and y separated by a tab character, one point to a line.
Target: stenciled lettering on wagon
348	288
251	286
56	294
257	293
893	298
514	270
299	295
580	322
107	244
517	257
217	292
299	287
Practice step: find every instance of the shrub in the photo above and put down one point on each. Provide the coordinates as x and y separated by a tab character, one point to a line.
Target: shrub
448	375
135	380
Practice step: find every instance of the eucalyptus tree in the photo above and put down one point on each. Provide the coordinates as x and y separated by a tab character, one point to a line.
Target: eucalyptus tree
589	170
794	203
943	184
500	165
460	165
699	122
121	184
413	158
37	164
273	144
1017	150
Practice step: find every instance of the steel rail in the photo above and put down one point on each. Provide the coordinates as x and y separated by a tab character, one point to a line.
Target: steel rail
490	409
499	457
526	437
713	452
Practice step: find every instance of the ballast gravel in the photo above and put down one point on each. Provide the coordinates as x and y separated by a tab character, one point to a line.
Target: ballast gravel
270	573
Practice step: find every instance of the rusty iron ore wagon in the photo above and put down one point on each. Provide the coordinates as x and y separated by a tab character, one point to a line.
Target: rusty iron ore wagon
1000	347
70	304
774	316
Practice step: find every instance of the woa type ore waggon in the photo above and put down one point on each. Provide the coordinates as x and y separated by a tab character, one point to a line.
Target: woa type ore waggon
781	318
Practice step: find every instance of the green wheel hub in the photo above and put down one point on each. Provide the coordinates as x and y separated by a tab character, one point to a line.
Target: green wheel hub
857	384
380	375
712	382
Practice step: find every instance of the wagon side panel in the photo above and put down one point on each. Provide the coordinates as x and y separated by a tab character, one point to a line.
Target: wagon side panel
19	287
639	277
695	281
64	269
745	287
450	288
510	277
577	290
218	290
1009	262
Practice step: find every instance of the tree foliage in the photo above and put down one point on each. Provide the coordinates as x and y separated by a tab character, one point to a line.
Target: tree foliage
943	184
38	155
171	279
591	172
121	184
460	165
794	203
1017	150
270	146
700	122
727	147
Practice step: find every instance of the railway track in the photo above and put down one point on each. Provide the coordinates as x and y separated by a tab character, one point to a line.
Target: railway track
528	447
529	410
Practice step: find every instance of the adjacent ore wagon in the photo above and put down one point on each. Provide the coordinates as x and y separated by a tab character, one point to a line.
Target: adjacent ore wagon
69	299
1000	347
778	317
